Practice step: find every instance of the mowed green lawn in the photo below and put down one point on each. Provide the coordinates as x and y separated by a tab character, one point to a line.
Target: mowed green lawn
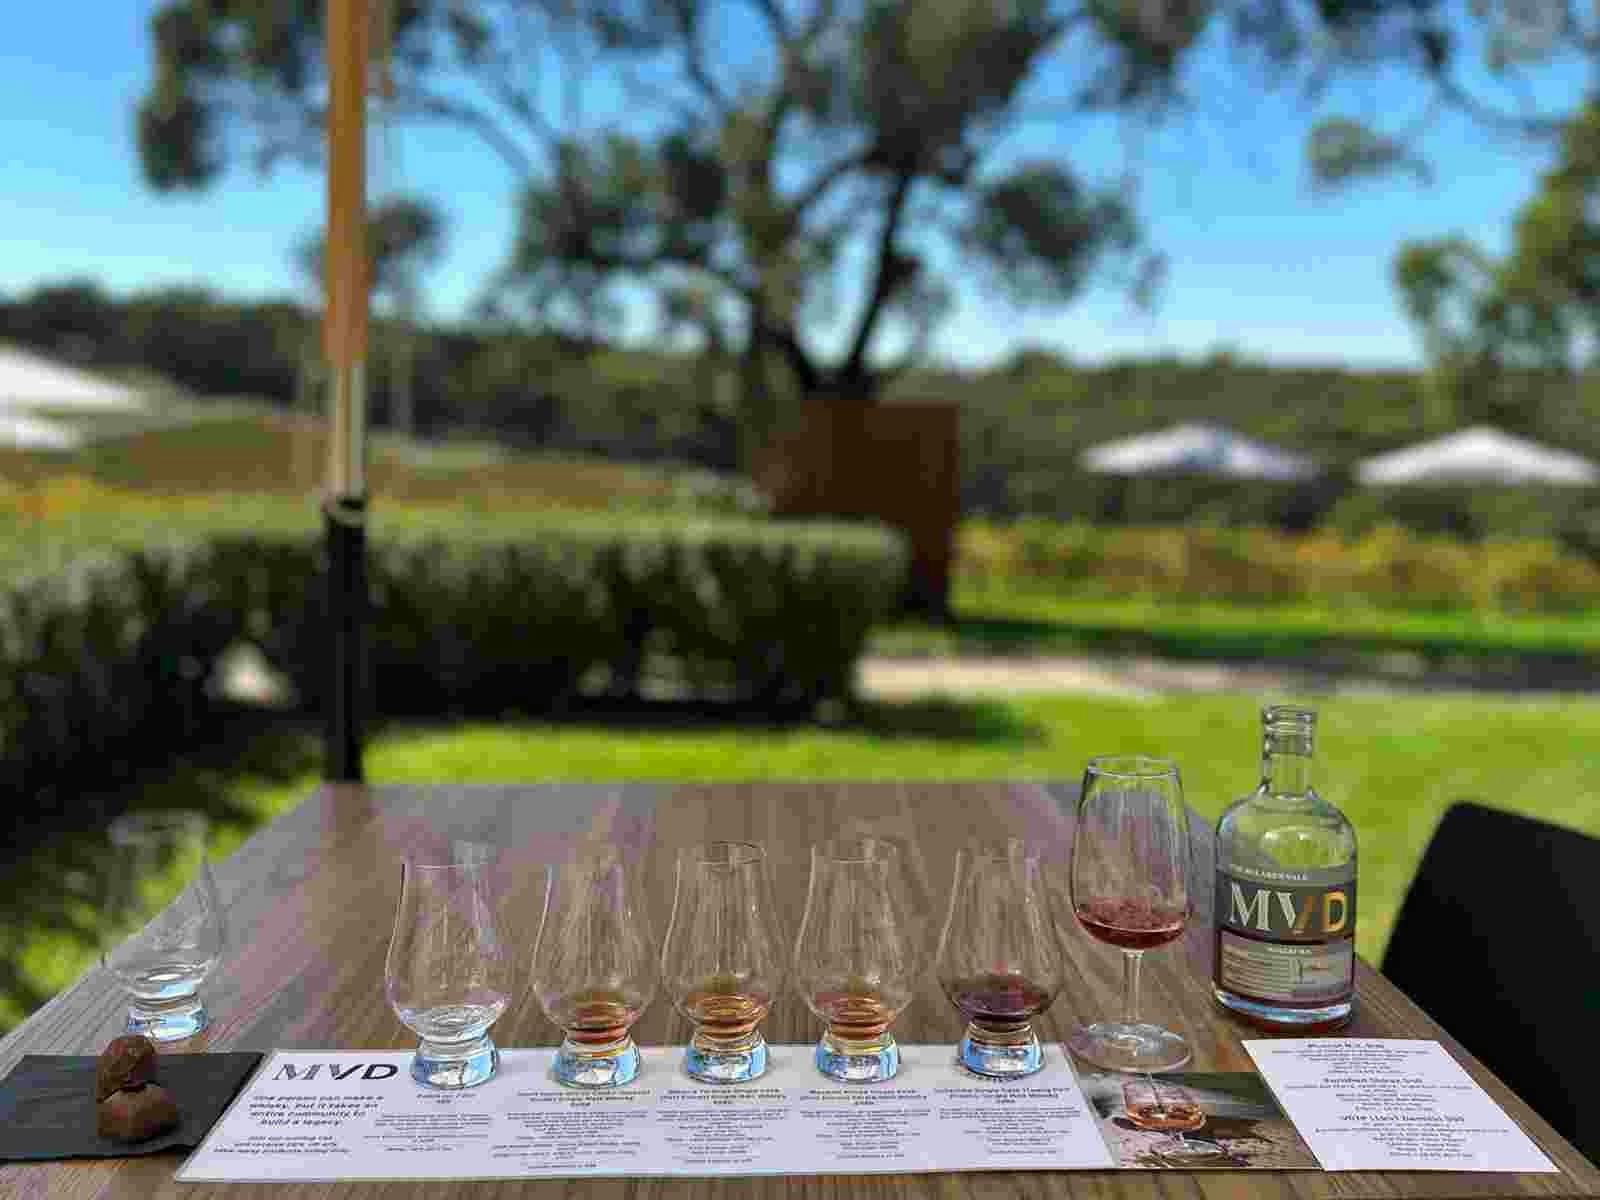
1393	763
1029	619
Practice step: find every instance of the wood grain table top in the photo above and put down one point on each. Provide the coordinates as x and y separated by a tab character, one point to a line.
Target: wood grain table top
311	898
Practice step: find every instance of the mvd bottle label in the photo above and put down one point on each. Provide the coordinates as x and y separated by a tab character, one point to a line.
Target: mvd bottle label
1285	935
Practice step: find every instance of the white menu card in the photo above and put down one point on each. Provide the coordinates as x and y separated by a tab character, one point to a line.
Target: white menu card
1391	1104
322	1115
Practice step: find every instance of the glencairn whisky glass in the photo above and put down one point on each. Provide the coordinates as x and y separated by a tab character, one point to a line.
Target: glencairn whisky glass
722	961
162	953
447	975
856	956
998	961
1130	889
594	968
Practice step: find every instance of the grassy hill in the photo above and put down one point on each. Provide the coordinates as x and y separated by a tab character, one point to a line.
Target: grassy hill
250	468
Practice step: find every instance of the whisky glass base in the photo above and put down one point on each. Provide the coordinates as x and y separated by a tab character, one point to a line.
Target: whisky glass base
1277	1017
449	1065
596	1066
998	1060
1120	1046
727	1066
847	1065
169	1020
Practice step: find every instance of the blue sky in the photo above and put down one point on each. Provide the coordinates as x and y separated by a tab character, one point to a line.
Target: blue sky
1260	264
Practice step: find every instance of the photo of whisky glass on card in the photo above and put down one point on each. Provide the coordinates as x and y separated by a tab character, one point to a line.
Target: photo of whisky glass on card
1161	1106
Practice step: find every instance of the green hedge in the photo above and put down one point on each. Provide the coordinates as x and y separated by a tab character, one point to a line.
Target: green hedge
1387	567
110	659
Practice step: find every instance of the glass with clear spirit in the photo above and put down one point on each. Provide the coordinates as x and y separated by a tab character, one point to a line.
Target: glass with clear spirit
998	961
159	949
1130	889
594	968
722	960
855	958
448	972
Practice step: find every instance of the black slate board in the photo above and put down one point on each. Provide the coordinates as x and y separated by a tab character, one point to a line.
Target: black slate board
47	1105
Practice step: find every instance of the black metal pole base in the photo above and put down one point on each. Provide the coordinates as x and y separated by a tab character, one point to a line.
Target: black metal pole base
344	520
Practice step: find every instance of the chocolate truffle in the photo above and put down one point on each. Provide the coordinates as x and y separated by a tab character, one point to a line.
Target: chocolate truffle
128	1062
136	1114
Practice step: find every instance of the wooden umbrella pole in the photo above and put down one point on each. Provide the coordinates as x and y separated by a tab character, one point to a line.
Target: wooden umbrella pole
345	344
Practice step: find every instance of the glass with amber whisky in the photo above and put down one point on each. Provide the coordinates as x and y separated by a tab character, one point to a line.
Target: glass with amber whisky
594	968
722	961
856	957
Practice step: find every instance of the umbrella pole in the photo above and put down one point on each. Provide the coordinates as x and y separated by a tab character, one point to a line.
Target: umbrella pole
344	523
344	505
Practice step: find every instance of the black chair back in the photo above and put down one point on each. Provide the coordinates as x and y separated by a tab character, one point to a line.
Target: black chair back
1499	941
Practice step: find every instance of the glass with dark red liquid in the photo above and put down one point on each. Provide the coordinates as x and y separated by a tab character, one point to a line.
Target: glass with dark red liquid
998	961
1130	889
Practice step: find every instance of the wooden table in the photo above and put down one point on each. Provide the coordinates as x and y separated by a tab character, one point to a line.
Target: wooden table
311	898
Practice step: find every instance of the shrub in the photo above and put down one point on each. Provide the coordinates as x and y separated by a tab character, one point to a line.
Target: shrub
116	650
1387	567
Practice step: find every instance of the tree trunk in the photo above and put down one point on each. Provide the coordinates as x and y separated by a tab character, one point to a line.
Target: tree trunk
404	415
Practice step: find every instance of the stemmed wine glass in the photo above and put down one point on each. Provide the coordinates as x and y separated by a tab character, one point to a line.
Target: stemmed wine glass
448	971
594	967
722	960
1129	883
855	958
998	961
162	954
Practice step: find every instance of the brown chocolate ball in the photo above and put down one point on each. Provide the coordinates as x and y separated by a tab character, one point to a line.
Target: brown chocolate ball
128	1062
136	1114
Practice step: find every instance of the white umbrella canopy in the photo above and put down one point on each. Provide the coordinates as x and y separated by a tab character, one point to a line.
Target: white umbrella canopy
20	431
1197	449
1483	455
30	381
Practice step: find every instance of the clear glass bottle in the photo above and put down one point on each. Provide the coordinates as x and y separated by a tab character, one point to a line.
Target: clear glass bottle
1286	892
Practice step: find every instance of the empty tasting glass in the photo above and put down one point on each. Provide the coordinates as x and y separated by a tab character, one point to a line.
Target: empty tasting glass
448	972
856	956
594	967
1130	870
998	961
722	961
162	949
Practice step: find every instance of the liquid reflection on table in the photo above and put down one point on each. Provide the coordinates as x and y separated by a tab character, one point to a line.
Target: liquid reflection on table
312	898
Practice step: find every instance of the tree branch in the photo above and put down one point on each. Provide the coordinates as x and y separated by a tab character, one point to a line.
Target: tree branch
1522	126
694	62
425	105
821	21
793	352
773	12
854	366
829	176
496	78
635	87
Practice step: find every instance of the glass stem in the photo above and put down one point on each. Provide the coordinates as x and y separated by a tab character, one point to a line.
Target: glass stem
1130	985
